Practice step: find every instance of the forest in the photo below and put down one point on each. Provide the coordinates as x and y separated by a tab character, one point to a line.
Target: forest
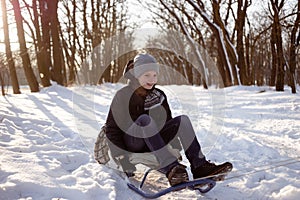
210	43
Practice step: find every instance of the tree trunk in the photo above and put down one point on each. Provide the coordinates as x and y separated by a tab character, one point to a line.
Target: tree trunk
292	60
56	44
274	58
10	60
240	24
40	53
33	84
45	45
225	51
276	6
2	84
230	59
72	67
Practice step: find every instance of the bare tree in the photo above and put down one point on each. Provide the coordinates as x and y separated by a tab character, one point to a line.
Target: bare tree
277	46
186	16
240	26
41	51
9	57
70	39
32	81
45	46
227	52
293	45
58	70
243	54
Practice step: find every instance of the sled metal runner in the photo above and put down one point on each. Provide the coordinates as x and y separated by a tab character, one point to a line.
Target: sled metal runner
202	185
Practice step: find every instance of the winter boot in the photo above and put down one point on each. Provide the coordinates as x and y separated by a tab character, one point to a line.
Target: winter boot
177	174
210	169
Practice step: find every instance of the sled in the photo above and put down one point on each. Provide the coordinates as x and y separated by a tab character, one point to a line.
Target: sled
102	156
202	185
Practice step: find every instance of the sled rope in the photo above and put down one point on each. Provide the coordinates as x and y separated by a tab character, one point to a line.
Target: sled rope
265	168
256	169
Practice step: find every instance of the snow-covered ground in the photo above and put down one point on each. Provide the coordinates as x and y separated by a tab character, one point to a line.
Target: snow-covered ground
46	142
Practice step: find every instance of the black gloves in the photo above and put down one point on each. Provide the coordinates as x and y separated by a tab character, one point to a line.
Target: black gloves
127	167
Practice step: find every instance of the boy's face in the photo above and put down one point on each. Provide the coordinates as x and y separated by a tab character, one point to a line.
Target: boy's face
148	79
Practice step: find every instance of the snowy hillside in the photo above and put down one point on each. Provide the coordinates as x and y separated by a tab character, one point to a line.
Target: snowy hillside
46	142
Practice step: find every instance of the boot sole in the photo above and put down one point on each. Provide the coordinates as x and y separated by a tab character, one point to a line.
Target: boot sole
177	180
221	174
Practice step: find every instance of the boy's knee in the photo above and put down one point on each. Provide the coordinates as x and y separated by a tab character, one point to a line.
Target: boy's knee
185	118
143	120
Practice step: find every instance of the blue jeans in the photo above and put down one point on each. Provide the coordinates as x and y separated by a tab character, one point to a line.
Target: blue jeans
144	136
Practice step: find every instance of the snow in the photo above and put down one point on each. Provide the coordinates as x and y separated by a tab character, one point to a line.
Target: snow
46	142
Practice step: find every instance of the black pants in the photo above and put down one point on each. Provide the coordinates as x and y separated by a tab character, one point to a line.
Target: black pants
143	136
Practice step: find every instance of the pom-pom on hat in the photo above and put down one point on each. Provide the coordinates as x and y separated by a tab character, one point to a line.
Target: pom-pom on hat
144	63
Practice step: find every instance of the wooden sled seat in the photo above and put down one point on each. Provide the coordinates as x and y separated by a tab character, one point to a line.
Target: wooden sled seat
149	158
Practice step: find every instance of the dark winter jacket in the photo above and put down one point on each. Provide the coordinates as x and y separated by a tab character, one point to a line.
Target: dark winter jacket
128	104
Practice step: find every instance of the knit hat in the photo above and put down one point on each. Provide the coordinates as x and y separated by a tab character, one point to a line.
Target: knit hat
144	63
